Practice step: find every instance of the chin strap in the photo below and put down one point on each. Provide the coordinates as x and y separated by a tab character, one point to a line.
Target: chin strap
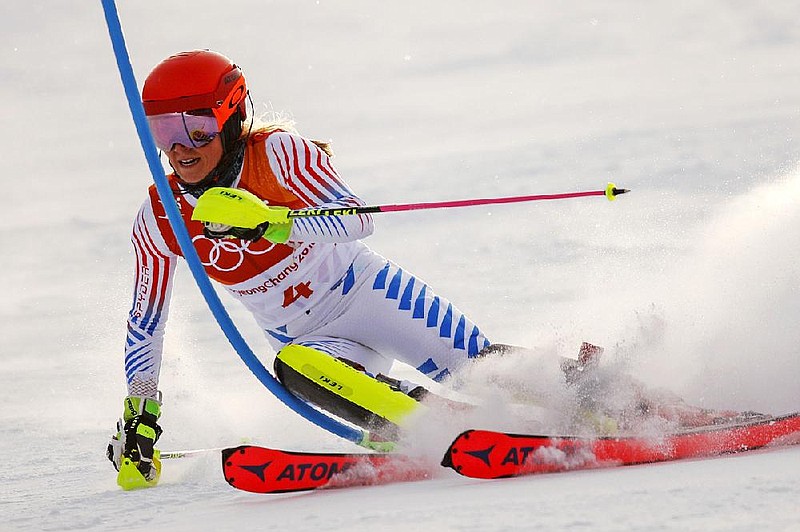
223	175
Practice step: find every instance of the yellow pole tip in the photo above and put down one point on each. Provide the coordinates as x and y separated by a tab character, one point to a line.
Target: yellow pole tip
612	191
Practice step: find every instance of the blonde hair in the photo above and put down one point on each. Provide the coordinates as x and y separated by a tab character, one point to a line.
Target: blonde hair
270	121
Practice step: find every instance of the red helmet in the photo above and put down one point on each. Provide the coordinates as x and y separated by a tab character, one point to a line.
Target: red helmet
200	79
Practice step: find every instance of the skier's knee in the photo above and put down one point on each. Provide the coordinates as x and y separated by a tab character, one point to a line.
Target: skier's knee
344	389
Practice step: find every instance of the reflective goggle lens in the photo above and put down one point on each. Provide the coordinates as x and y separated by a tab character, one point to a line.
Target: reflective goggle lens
190	130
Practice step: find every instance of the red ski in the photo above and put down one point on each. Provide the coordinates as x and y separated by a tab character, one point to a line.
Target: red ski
264	470
488	454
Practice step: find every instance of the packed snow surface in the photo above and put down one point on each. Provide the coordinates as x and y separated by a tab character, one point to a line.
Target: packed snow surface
691	281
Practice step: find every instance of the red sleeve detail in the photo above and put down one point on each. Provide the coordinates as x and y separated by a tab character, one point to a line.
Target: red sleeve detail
162	221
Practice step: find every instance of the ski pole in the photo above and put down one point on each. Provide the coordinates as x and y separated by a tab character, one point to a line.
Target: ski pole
172	455
240	208
611	192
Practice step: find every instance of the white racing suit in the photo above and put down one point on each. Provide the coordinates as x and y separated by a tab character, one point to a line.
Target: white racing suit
324	288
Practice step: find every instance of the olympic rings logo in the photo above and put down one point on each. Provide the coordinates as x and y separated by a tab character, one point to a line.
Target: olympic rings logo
226	255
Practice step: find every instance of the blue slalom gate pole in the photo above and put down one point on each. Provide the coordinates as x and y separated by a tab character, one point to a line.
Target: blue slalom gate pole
184	241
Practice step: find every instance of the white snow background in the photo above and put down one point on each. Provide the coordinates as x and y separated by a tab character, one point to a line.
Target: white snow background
691	279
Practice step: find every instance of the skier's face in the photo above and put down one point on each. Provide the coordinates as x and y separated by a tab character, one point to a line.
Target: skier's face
193	164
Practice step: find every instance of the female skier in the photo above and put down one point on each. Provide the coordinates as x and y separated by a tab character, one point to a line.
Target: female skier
324	300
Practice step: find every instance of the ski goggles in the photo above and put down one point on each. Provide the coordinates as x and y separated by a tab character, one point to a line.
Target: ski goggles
192	129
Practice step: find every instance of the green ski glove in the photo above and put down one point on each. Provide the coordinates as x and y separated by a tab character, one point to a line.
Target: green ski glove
132	448
277	233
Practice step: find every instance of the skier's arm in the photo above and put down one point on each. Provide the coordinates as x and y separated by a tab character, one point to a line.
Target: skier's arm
138	429
304	169
155	265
